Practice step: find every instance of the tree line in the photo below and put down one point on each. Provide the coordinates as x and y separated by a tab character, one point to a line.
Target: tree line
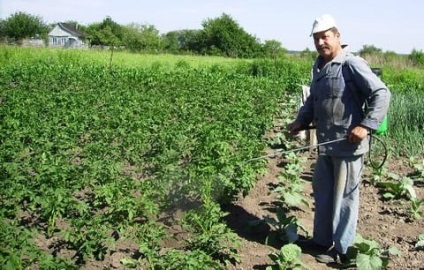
221	36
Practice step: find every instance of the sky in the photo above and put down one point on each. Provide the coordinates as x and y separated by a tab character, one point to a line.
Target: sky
390	25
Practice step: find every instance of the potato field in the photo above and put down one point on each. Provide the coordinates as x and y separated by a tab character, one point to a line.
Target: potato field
120	161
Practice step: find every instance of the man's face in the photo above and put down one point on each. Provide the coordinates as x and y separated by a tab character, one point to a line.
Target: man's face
327	44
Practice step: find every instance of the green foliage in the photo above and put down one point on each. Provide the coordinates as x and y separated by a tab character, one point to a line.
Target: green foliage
2	28
419	245
390	56
21	25
288	73
290	186
285	226
141	38
223	36
287	259
210	235
416	208
14	245
397	187
309	55
89	237
190	260
378	174
406	119
417	57
17	251
148	236
89	149
367	254
418	166
107	32
183	41
370	50
273	49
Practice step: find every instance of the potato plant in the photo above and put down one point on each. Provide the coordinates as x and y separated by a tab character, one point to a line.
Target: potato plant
90	150
93	152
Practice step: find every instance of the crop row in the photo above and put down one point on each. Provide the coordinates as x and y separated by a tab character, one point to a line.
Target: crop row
89	150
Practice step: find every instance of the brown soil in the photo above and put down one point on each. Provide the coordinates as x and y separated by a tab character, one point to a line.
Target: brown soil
387	223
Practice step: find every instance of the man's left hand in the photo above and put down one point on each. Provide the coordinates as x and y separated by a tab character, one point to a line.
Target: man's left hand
358	134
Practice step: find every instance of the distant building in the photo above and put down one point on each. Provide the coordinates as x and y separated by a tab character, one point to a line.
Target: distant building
66	35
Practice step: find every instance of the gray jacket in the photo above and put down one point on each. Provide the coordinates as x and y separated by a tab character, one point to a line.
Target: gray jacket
337	97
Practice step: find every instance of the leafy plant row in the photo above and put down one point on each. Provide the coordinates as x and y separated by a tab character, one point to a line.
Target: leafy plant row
91	151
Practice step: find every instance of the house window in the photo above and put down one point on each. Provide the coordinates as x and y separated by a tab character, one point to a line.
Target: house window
59	41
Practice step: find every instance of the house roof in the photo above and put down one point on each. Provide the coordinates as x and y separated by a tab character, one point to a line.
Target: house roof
71	29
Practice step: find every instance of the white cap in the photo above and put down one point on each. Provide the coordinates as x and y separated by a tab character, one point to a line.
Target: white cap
323	23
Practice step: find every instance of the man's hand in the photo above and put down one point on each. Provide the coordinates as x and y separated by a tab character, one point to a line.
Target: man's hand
294	128
358	134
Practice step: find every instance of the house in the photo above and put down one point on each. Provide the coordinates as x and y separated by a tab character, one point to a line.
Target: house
66	35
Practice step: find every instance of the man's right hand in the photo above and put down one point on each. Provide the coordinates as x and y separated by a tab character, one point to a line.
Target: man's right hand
294	128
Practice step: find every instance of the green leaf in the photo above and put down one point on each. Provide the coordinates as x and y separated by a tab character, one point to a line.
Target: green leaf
129	263
420	245
292	199
394	251
393	176
388	195
366	262
411	192
290	252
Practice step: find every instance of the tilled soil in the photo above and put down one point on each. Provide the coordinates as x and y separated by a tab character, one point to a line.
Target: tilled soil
387	223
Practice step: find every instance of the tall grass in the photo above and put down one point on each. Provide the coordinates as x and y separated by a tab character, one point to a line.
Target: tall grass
406	113
406	122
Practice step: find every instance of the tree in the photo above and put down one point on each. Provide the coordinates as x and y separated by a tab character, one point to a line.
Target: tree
170	42
140	37
273	49
369	50
107	33
2	29
308	54
223	36
417	57
21	25
183	41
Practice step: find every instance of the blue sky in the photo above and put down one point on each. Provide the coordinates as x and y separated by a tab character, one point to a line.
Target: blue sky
391	25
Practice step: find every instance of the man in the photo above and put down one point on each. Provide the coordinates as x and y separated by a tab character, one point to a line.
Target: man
341	84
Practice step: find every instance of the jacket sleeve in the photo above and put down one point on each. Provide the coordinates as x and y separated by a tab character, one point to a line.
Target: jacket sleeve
306	112
372	91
